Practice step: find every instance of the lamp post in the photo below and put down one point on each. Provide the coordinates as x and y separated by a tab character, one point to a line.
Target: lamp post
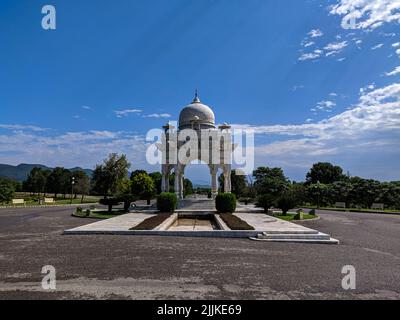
319	190
72	188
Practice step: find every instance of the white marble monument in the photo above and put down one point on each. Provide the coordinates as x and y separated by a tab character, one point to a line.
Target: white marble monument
200	118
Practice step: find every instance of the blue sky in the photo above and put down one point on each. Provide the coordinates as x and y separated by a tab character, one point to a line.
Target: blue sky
312	89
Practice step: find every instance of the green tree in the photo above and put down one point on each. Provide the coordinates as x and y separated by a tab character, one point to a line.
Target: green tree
287	200
320	194
389	194
36	181
265	201
238	183
324	172
142	186
270	181
364	192
108	177
299	191
136	172
157	177
59	181
7	189
187	187
342	191
82	184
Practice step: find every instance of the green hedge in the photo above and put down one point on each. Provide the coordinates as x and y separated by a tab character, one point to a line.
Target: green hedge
167	202
225	203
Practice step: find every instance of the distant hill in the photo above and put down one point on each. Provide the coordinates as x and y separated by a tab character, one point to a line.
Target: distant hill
21	171
201	184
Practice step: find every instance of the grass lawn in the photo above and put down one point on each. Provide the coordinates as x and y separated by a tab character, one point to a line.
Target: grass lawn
31	200
353	209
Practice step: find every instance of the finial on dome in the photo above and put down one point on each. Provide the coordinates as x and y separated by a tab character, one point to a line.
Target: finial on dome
196	97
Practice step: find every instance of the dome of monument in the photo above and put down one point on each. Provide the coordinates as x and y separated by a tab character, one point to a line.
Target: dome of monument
196	113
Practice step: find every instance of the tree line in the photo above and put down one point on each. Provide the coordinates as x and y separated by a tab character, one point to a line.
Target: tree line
325	185
110	179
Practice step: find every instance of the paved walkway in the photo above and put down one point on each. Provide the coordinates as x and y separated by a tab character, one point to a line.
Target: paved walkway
263	223
120	223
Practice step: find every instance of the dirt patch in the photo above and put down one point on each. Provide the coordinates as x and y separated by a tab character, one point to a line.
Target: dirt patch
152	222
234	222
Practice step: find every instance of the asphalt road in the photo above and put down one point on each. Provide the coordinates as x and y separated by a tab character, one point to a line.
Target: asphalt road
132	267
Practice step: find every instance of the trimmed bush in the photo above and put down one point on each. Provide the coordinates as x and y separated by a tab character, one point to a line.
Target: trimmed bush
287	201
265	201
167	202
127	199
110	202
225	203
312	212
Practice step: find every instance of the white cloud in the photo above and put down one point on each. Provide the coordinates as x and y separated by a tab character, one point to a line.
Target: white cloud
326	105
378	46
310	56
315	33
364	134
336	46
394	72
366	14
86	108
307	44
396	45
71	149
158	115
126	112
297	87
367	88
22	127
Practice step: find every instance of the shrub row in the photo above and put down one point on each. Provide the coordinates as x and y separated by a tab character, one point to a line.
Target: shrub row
167	202
225	203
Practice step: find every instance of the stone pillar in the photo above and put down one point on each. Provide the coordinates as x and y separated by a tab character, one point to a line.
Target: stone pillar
167	182
165	178
227	182
181	186
163	185
176	184
214	182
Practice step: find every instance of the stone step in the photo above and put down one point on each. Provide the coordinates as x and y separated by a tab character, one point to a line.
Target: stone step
288	236
310	241
310	231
